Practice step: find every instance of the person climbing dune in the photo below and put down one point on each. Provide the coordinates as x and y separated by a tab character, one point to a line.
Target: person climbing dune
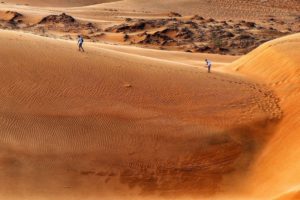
80	43
208	64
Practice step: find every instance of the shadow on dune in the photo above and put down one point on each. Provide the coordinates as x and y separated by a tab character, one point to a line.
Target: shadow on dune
218	162
171	166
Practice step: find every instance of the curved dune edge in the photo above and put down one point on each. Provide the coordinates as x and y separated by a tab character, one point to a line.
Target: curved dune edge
292	194
277	64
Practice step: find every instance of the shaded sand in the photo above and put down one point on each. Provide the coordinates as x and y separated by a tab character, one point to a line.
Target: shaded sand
105	122
290	195
277	64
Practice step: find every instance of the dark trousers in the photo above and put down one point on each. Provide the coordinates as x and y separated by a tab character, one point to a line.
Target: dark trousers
80	47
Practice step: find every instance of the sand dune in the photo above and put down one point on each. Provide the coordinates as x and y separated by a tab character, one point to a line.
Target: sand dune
124	122
291	196
277	64
57	3
231	9
90	124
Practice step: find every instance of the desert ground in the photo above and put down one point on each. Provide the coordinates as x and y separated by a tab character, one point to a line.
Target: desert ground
137	116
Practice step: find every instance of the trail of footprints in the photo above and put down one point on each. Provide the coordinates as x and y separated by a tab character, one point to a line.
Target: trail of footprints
265	99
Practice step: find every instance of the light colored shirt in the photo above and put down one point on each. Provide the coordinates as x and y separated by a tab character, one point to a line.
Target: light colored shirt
208	62
80	40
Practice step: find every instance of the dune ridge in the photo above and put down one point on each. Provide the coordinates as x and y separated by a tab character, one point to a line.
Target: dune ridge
277	64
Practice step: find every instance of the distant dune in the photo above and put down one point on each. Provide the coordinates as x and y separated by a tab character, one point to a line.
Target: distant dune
57	3
230	9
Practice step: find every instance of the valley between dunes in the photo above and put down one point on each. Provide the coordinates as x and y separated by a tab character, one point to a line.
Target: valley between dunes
125	122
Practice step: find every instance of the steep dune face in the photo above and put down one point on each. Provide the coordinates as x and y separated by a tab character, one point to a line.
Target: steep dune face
277	63
101	122
290	195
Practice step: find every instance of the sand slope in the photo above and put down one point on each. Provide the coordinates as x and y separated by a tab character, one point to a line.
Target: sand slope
124	122
277	63
102	122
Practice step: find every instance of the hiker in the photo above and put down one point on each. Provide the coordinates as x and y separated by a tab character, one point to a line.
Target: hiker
208	64
80	43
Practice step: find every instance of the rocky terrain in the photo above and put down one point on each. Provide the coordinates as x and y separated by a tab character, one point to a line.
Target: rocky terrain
174	32
10	18
197	34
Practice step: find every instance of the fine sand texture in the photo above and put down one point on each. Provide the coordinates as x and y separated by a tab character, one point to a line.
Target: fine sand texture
217	9
137	116
277	63
57	3
82	125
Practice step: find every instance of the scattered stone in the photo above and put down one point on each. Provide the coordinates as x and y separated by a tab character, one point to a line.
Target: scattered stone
62	18
211	20
90	25
271	19
250	24
193	25
244	37
197	17
126	37
137	26
202	48
127	85
174	14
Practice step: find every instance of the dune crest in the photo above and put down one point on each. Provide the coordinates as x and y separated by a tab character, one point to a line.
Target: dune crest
277	64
